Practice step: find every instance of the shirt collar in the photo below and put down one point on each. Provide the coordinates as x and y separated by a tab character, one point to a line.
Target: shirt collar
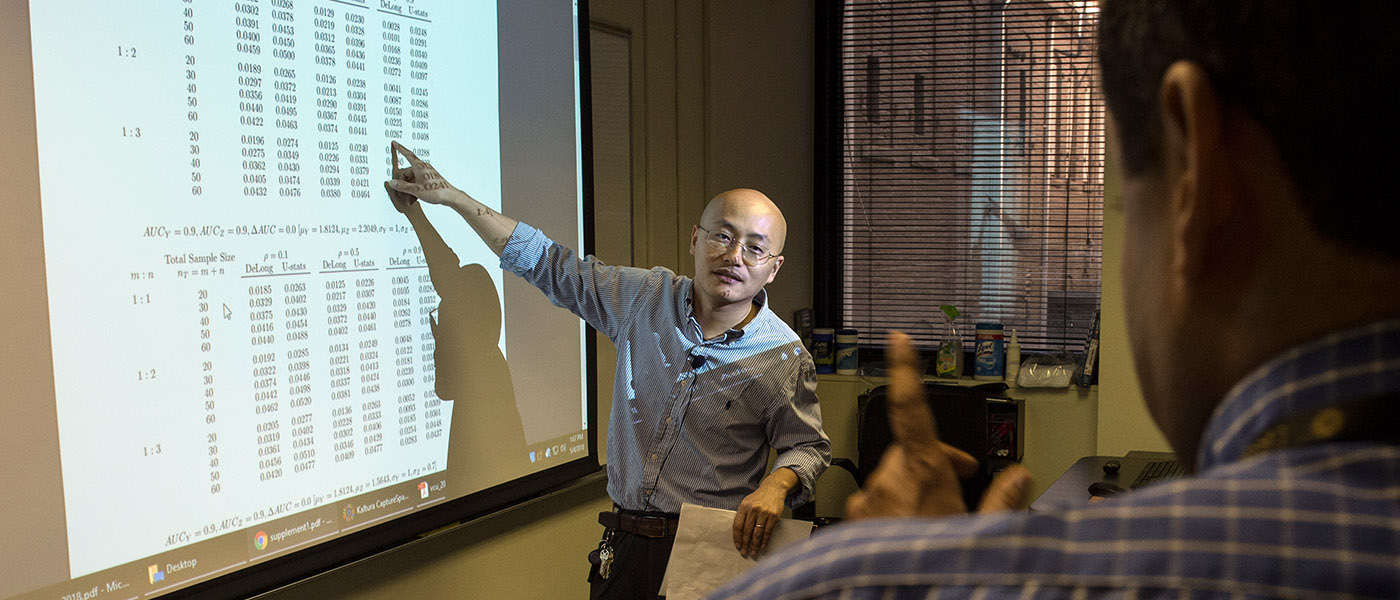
1340	366
686	308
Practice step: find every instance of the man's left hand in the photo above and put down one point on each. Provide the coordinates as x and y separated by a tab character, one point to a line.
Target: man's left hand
760	511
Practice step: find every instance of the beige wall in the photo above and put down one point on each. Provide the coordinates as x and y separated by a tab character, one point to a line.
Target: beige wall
1124	423
721	94
759	124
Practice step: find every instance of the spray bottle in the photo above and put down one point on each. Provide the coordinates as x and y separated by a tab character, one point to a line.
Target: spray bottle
1013	360
949	362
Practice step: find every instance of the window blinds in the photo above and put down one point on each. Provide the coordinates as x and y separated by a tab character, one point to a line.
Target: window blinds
971	167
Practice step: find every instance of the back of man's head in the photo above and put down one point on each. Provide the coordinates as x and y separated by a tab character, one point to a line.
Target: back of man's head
1312	73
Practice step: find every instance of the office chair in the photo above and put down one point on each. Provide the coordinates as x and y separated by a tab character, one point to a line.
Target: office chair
965	419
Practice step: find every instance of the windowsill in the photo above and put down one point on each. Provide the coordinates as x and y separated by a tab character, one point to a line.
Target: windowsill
874	380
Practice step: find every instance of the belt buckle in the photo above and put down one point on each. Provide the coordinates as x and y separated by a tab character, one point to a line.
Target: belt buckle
653	526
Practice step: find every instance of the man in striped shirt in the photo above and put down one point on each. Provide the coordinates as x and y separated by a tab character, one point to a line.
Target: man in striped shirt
708	378
1262	289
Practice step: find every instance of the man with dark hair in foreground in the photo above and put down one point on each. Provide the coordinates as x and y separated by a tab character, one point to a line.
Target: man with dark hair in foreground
1262	287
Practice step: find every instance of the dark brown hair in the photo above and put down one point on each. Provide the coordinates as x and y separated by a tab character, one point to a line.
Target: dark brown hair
1313	73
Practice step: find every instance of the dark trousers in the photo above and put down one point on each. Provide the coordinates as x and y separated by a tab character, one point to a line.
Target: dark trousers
638	564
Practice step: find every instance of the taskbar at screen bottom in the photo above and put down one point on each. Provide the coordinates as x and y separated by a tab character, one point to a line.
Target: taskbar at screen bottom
206	559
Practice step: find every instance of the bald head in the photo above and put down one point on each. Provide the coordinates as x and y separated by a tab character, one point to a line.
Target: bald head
750	206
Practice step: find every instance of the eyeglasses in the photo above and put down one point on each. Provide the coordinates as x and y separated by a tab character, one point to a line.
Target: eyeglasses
752	254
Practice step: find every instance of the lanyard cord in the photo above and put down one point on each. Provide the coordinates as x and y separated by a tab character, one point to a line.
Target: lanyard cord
1374	418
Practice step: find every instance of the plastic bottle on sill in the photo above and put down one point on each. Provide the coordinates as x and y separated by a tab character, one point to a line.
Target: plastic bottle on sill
1013	360
949	361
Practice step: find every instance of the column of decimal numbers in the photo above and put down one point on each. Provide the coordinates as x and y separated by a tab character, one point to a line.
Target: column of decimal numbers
262	328
367	319
284	103
251	118
418	86
391	47
192	100
327	101
207	373
338	370
300	398
356	103
406	381
432	405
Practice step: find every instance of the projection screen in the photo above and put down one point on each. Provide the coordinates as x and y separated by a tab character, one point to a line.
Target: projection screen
231	362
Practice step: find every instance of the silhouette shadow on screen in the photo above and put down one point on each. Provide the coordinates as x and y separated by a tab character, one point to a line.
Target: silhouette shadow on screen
487	440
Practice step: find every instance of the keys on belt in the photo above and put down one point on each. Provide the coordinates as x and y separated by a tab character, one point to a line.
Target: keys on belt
603	556
650	526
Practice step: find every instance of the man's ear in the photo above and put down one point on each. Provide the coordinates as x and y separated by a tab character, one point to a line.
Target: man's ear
694	237
777	264
1200	163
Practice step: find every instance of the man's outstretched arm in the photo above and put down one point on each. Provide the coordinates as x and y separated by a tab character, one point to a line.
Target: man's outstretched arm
420	181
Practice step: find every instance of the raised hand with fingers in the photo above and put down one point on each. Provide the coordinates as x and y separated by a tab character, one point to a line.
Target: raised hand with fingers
419	181
918	475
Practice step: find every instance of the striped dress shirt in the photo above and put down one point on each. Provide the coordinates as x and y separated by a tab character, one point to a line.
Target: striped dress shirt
692	419
1318	521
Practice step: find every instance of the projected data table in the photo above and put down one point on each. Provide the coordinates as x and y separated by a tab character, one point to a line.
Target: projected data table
230	287
323	87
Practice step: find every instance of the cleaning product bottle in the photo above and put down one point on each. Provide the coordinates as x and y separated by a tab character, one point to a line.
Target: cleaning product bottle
1084	375
949	362
1013	360
846	357
990	361
824	349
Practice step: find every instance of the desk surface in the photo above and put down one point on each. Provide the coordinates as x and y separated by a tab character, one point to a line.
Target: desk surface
1072	488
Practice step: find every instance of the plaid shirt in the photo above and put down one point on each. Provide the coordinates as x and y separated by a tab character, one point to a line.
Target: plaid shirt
692	419
1316	521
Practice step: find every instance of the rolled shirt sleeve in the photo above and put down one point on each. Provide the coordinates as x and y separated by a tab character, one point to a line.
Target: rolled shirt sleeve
795	431
602	295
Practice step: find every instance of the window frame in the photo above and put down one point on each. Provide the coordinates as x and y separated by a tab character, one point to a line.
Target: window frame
830	98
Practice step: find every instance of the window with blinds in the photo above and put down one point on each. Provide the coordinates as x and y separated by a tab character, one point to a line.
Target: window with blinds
968	154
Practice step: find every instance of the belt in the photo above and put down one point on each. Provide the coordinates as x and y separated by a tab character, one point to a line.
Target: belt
652	526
